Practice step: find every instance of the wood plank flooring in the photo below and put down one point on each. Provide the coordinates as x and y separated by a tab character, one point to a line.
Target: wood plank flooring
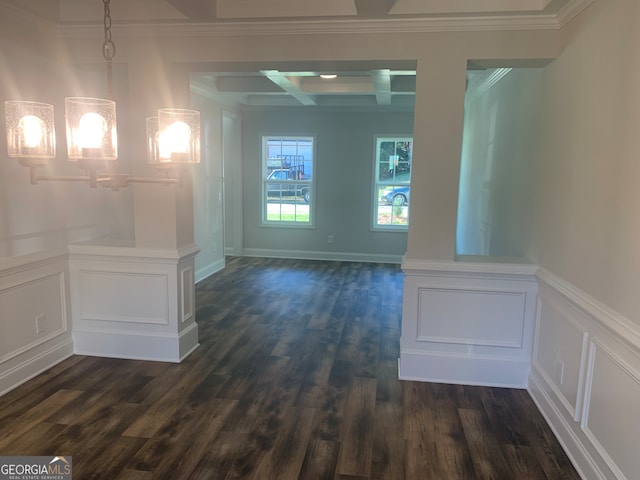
295	378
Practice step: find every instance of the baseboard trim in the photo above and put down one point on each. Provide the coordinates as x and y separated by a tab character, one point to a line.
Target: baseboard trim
188	341
573	447
208	270
34	365
319	255
137	345
463	369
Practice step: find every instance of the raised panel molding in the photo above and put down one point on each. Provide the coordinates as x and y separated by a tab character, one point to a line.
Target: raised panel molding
467	323
600	433
33	286
49	289
610	410
187	294
451	315
98	288
560	348
133	303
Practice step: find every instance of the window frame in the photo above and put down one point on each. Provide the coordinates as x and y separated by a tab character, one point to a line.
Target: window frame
376	184
264	173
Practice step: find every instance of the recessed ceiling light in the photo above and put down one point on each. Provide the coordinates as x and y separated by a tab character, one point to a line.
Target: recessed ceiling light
328	76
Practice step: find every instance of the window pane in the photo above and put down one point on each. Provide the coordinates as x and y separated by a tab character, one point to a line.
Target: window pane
288	171
386	158
403	166
393	205
393	177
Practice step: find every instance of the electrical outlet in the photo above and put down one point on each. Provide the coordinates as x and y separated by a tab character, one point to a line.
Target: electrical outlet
41	324
331	239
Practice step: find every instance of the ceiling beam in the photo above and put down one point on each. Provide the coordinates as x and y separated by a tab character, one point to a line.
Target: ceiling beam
246	84
288	86
382	84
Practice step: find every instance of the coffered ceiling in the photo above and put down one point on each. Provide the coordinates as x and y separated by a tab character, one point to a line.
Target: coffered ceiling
388	84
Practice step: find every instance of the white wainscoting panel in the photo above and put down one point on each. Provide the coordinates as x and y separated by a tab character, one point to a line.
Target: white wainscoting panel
585	379
474	316
133	303
468	323
610	413
133	291
35	320
560	350
187	294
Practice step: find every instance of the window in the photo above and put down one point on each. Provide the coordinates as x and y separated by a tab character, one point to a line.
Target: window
287	180
392	182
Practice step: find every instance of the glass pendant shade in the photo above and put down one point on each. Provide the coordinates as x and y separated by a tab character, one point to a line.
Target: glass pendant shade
177	138
30	130
173	137
91	129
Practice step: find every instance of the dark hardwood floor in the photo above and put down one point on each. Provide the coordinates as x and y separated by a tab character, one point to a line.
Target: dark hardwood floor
296	377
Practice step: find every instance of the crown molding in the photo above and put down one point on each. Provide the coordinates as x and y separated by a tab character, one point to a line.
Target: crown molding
571	10
318	27
393	25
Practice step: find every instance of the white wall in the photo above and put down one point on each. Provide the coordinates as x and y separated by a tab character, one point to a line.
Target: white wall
499	150
343	193
587	227
47	215
586	362
208	191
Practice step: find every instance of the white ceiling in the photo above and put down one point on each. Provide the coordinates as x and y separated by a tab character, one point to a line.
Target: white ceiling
388	84
223	10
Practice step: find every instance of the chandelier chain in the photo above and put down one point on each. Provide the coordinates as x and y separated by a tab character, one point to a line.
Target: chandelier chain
108	47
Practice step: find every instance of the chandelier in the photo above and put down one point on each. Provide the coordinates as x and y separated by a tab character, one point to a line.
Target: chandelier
172	137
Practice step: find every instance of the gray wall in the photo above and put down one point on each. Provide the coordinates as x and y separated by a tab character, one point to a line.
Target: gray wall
343	184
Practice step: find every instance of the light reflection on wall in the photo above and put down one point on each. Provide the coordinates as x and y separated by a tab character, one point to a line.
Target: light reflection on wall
498	150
